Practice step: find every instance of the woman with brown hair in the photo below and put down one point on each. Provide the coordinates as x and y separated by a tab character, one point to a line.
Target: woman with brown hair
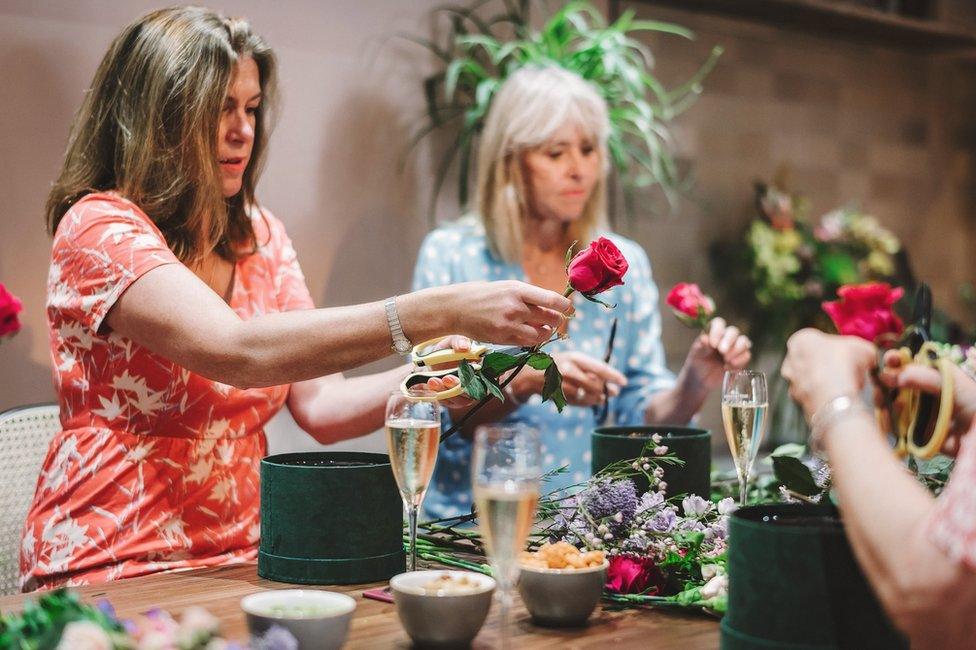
179	317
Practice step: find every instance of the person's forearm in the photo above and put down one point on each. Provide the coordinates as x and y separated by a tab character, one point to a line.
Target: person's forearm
882	507
679	404
298	345
929	596
208	338
337	408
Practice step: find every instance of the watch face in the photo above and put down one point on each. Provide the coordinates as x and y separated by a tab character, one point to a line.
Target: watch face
403	347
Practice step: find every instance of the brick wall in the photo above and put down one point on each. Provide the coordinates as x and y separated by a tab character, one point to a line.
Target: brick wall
891	130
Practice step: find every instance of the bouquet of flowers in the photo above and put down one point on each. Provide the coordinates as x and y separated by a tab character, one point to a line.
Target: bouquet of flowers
785	265
662	551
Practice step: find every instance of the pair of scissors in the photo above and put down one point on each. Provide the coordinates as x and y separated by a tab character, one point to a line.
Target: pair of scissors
434	361
919	421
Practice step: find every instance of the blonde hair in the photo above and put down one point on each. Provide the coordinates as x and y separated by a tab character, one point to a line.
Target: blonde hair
526	112
148	130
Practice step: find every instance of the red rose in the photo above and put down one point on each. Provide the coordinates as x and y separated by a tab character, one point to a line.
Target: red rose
690	305
10	306
597	268
865	310
634	575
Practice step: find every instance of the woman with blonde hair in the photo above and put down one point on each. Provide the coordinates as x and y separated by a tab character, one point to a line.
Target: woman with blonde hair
179	317
541	185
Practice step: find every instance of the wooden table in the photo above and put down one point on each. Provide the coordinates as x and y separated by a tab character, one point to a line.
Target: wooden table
375	624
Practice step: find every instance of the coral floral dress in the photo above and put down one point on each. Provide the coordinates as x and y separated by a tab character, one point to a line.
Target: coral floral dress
156	467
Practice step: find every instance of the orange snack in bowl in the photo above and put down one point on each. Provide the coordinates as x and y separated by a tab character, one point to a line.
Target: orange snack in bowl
561	555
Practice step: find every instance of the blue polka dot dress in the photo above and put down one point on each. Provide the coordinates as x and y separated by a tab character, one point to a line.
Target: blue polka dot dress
458	252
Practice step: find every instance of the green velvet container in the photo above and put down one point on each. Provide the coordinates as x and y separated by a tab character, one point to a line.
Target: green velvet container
692	445
794	583
330	518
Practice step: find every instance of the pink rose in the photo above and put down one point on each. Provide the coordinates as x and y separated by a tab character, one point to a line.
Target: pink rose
10	306
597	268
865	310
634	575
690	305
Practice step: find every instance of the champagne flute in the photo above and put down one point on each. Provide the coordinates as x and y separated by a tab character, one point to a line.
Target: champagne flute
744	406
413	428
505	476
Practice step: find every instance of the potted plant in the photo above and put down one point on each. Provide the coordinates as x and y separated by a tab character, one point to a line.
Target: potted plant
481	49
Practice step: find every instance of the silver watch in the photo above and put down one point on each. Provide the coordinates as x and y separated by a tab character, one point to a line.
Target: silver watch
401	344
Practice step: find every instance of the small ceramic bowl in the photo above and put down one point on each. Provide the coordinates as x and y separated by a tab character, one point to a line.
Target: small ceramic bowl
561	597
317	619
441	619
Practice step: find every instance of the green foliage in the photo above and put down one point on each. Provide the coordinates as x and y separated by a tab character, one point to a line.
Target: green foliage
478	383
783	265
42	622
796	476
482	49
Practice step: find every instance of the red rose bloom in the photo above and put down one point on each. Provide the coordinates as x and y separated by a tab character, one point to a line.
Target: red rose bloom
597	268
634	575
865	310
690	305
10	306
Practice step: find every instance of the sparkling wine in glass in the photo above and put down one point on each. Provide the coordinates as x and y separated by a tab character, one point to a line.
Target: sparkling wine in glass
413	427
744	407
506	474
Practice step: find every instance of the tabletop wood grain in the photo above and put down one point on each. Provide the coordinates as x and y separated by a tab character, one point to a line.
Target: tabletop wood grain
375	624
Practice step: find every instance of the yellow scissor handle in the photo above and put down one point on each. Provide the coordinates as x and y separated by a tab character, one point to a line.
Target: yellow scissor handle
415	379
425	354
905	413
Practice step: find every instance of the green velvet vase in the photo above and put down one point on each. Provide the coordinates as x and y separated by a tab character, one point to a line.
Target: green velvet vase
693	446
794	583
330	518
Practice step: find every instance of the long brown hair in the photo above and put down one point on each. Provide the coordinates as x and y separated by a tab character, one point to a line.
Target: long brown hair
148	129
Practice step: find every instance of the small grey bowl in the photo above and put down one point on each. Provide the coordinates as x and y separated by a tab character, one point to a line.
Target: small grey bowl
561	597
441	620
325	632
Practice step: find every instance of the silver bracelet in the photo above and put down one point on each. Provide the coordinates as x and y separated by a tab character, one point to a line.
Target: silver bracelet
826	416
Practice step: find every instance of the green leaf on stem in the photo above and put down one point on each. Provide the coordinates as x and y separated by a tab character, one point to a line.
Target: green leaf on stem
796	476
472	384
539	361
495	363
552	388
793	449
493	388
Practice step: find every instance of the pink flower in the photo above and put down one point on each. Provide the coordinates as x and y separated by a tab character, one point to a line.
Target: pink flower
10	306
690	304
597	268
865	310
634	575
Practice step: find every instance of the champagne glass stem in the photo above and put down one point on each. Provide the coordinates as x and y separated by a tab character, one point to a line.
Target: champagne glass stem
412	519
504	602
743	489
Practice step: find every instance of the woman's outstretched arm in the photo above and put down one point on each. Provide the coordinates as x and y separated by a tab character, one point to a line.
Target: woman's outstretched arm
172	312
